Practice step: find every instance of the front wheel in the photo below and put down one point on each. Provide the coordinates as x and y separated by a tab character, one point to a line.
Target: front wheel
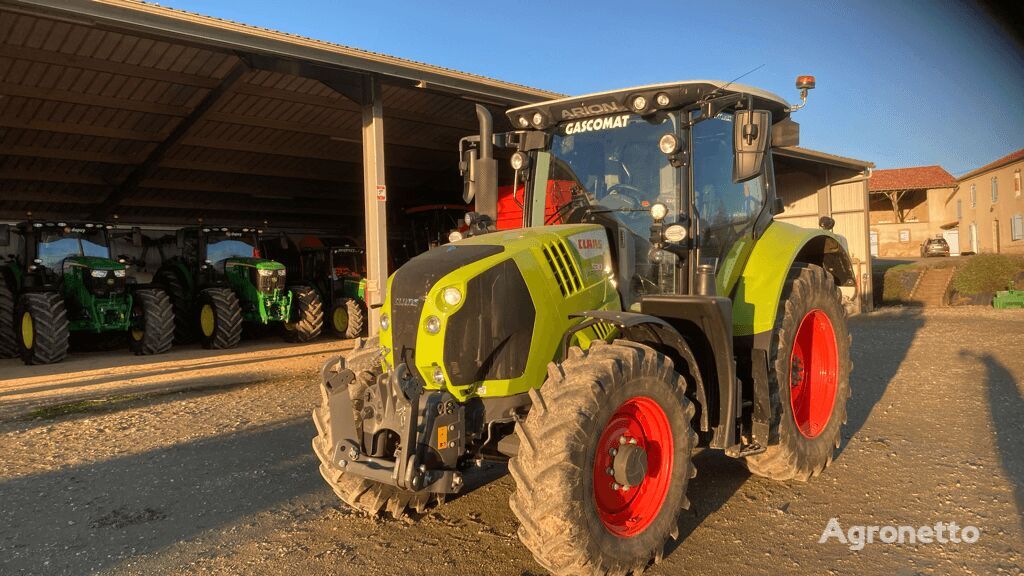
808	378
307	316
41	324
605	457
348	319
8	343
152	322
220	318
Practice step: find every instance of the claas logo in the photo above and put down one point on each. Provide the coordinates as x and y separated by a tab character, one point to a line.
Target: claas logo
589	243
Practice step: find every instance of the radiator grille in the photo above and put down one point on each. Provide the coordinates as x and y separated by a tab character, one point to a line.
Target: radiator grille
564	267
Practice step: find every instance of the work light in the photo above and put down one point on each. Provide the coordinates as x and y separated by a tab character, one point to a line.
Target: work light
675	233
668	144
452	296
662	99
658	211
454	236
519	161
639	103
263	272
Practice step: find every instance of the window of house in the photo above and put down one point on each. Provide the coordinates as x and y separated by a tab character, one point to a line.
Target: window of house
974	196
1017	229
995	189
959	209
904	235
1016	182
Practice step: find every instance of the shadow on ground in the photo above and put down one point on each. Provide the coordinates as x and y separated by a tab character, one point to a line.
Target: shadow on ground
1007	411
88	517
880	342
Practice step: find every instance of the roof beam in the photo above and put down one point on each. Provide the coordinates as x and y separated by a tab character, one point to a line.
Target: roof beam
67	154
80	129
50	176
158	153
85	99
108	66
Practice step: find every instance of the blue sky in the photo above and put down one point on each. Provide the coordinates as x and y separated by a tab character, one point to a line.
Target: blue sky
900	83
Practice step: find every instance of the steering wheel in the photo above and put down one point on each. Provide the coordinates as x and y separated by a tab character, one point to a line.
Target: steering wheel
626	195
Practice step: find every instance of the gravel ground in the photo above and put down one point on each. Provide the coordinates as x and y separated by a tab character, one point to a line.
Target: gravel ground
224	481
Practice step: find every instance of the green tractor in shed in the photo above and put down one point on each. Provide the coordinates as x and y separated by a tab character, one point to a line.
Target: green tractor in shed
218	281
336	270
63	281
650	308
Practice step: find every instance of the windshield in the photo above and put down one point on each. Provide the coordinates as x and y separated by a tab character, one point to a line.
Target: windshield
56	244
223	245
612	165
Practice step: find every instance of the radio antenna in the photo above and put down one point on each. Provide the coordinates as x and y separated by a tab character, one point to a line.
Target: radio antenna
730	82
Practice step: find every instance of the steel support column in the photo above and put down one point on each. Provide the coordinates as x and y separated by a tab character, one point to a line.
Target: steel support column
375	200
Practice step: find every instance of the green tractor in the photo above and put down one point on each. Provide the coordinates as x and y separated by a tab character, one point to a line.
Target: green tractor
218	281
63	281
336	270
649	308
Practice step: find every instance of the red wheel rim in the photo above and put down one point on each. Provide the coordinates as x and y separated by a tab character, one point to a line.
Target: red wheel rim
813	373
639	421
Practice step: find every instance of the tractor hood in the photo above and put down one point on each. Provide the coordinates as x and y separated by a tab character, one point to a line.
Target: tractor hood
485	315
93	263
259	263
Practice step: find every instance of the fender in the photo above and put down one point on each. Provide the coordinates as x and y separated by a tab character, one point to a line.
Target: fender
756	296
685	328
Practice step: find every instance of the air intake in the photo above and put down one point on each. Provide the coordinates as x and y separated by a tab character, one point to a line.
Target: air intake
564	267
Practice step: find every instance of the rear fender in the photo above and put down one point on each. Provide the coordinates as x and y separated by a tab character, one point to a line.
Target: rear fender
759	288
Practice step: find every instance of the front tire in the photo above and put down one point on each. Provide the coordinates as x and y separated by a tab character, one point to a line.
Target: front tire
152	327
578	452
809	378
307	316
219	318
348	318
42	328
359	493
184	325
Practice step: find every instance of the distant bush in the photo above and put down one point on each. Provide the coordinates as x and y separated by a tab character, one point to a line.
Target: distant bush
987	273
899	283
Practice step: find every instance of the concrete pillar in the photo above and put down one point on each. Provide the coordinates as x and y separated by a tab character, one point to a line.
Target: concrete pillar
375	201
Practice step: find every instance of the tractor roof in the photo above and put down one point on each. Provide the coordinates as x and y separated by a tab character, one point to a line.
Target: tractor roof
680	94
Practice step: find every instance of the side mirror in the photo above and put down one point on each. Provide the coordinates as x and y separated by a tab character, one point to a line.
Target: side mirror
136	236
826	223
179	238
5	234
751	136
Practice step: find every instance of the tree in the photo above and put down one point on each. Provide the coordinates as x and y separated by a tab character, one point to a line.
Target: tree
894	197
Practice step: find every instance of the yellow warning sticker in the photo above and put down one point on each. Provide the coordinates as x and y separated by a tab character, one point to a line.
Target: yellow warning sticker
442	437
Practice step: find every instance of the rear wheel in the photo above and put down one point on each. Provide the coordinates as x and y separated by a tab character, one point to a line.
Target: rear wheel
219	318
604	461
8	342
307	316
348	319
809	378
184	320
359	493
41	325
152	322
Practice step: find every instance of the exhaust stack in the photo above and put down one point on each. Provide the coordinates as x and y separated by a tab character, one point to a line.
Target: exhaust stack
482	176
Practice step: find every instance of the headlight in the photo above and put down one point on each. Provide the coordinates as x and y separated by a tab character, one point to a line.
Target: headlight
668	144
454	236
659	211
263	272
675	233
281	272
119	273
452	296
385	322
433	325
519	161
99	273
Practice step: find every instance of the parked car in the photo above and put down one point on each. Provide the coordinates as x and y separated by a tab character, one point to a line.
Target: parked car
934	247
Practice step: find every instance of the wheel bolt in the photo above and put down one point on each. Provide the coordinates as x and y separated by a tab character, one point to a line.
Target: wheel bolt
613	451
622	439
610	472
632	440
615	486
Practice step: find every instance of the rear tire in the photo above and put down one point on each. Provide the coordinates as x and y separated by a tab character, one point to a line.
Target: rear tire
8	341
307	316
42	328
348	318
807	433
219	318
184	322
359	493
152	329
575	517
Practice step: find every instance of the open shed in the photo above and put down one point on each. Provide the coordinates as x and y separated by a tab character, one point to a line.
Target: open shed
158	116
